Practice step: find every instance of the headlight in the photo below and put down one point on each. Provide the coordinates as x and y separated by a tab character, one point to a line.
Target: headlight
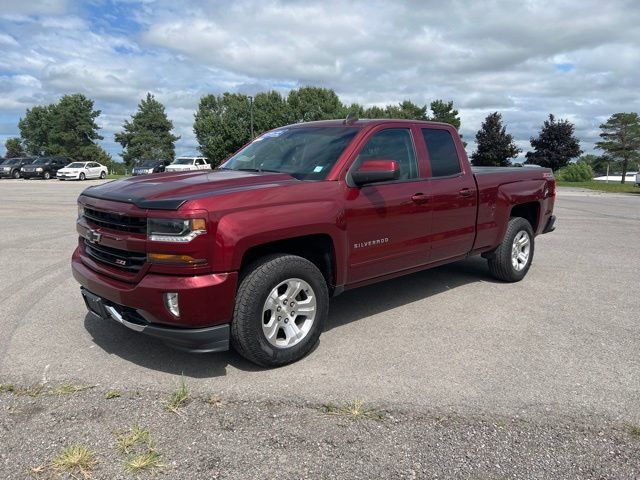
39	169
175	230
80	211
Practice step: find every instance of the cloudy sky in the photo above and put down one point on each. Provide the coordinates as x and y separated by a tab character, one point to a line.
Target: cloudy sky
525	58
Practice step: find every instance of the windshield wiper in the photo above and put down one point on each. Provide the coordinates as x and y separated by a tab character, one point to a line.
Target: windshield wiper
255	170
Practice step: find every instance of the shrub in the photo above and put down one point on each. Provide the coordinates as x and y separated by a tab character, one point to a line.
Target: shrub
575	172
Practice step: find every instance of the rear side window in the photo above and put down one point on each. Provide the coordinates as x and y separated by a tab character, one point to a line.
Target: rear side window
442	152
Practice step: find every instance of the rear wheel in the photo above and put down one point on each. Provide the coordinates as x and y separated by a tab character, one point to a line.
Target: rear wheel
511	260
16	174
103	175
281	306
82	176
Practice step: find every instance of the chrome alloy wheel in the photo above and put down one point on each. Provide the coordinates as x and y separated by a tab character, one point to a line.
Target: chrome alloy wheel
288	313
520	250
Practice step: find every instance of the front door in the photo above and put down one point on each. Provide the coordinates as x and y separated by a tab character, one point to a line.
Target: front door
388	223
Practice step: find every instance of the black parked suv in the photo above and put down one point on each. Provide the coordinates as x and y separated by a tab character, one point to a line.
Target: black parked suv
147	167
44	167
11	167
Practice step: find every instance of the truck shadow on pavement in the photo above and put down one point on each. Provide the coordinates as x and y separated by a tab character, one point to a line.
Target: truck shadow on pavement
351	306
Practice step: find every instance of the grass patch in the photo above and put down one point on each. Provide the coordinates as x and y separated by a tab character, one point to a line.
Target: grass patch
147	461
635	431
76	459
112	394
69	388
116	177
355	410
602	186
179	398
127	441
32	391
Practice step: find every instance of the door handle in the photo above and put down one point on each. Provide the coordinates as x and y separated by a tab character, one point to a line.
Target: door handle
419	198
465	192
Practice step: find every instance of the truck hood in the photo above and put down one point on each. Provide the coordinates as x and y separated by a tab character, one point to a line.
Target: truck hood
168	191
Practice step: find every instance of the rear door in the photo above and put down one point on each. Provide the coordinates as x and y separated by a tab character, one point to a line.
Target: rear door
452	195
94	169
200	164
388	223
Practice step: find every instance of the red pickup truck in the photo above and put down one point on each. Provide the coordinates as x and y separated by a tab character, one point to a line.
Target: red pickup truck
249	254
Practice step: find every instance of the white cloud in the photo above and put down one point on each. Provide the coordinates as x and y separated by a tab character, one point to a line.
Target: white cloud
576	59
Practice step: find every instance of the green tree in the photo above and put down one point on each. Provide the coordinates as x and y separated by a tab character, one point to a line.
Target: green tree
374	112
65	128
495	147
313	103
13	147
575	172
598	163
148	135
222	125
444	112
555	145
406	110
270	110
35	128
621	139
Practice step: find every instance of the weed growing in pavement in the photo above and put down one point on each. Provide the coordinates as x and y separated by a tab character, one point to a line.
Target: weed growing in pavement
213	400
112	394
355	410
147	461
76	459
179	398
68	388
635	431
126	441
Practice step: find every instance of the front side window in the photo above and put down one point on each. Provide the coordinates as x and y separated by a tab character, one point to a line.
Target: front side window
392	144
306	153
442	152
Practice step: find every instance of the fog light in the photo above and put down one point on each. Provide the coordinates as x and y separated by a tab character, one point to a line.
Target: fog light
171	302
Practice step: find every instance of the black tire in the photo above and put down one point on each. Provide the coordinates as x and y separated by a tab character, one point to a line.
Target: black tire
46	175
103	175
500	262
16	174
82	176
257	281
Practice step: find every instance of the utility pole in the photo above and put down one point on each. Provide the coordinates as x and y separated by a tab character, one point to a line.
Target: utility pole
251	111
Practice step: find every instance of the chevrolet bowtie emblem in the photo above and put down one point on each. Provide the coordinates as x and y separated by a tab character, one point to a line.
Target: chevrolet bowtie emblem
93	236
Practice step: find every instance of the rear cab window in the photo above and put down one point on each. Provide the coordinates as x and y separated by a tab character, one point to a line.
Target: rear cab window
442	152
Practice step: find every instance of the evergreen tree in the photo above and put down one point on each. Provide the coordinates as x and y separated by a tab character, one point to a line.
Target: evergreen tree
406	110
495	147
13	147
444	112
65	128
555	145
621	139
148	135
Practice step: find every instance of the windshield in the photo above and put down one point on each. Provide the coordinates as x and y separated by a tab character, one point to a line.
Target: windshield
149	163
306	153
76	165
184	161
41	161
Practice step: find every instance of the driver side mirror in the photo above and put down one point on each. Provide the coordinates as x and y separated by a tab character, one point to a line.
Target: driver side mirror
373	171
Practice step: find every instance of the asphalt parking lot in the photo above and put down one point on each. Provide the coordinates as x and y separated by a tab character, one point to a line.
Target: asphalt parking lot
562	344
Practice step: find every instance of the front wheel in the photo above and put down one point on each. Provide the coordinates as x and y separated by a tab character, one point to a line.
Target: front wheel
511	260
103	175
46	175
281	306
82	176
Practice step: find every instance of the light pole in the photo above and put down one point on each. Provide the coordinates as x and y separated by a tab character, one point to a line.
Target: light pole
251	113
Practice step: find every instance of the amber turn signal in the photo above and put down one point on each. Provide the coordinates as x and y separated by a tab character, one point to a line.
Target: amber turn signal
174	259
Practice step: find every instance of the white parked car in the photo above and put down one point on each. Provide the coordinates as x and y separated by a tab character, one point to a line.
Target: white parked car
632	177
183	164
82	171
